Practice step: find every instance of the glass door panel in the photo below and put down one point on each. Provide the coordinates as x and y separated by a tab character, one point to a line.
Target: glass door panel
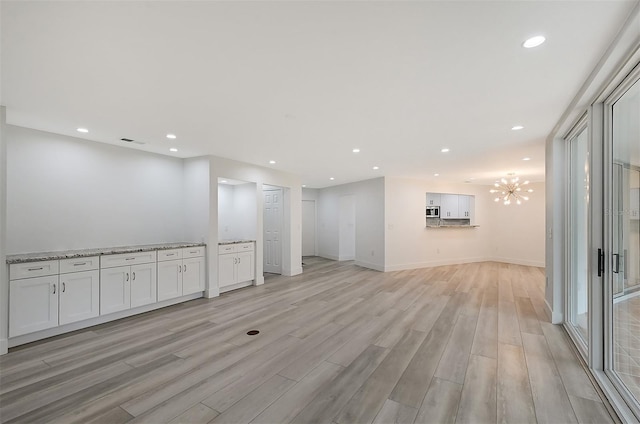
625	238
578	234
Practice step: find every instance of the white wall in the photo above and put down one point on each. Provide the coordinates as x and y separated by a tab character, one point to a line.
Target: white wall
66	193
237	212
369	208
196	199
509	234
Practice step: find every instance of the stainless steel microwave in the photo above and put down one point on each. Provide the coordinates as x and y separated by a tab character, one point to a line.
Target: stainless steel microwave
433	211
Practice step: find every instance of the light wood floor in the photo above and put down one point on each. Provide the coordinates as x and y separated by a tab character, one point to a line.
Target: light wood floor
342	344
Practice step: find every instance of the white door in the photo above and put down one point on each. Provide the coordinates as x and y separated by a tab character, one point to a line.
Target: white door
33	304
244	266
226	269
308	228
79	296
143	284
192	275
115	289
273	231
169	279
347	228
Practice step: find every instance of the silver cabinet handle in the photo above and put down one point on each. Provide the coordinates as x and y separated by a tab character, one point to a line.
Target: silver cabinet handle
79	264
170	254
134	276
238	260
193	251
185	268
129	259
54	288
64	287
35	269
179	268
127	276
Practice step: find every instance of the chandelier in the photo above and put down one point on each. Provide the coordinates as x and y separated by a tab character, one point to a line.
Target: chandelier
511	190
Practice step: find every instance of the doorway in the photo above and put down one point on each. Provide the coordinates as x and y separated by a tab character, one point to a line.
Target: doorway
273	224
308	228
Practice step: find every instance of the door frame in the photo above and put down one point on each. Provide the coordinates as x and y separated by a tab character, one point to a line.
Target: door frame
283	224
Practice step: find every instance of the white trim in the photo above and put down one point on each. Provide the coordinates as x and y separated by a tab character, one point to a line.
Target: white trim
615	398
370	265
237	286
259	280
328	256
61	329
291	272
431	264
626	297
347	258
4	346
556	317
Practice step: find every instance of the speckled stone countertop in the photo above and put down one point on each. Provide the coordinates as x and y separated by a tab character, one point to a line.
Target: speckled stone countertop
69	254
221	242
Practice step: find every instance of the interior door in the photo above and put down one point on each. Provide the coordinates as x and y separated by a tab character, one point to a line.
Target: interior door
308	228
273	217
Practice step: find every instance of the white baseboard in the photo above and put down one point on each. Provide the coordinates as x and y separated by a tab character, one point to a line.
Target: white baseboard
430	264
555	317
347	258
236	286
369	265
4	346
259	280
291	272
524	262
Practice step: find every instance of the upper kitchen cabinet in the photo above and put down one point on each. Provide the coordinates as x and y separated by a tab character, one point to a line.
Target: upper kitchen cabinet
433	199
451	207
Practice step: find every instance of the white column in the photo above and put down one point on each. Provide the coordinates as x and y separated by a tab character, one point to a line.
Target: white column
4	275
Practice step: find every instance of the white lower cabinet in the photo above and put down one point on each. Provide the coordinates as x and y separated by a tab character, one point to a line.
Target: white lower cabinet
79	296
180	272
236	264
127	286
40	303
33	304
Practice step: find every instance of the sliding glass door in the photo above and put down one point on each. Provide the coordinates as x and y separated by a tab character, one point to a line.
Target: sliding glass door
622	321
577	236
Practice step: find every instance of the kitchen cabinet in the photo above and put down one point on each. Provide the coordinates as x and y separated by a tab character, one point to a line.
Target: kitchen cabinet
449	207
236	264
38	302
126	286
433	199
464	204
79	290
180	272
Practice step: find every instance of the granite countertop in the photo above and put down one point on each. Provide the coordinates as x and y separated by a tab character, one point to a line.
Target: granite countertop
452	226
234	241
69	254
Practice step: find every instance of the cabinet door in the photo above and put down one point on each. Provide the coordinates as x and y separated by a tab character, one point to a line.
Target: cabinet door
433	199
244	267
449	208
169	280
33	304
226	270
143	284
79	296
463	206
115	289
192	275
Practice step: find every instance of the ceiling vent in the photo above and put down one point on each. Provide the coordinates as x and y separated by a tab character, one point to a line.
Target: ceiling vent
128	140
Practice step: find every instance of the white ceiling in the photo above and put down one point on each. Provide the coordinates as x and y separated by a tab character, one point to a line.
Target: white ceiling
303	83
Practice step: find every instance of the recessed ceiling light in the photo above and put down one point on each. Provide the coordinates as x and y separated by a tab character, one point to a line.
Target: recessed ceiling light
517	127
332	178
272	162
534	42
224	181
356	150
436	175
173	149
376	168
526	158
171	136
304	185
444	150
82	130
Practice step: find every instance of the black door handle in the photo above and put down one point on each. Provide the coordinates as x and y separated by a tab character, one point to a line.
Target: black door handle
616	263
600	263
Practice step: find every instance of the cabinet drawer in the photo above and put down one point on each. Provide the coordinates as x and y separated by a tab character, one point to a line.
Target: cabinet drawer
226	248
193	252
79	264
33	269
110	261
169	254
244	247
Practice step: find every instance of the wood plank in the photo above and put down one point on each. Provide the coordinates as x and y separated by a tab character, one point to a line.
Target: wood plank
453	364
527	317
291	403
255	402
440	403
195	415
590	411
478	398
515	401
508	326
550	398
326	405
485	340
395	413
